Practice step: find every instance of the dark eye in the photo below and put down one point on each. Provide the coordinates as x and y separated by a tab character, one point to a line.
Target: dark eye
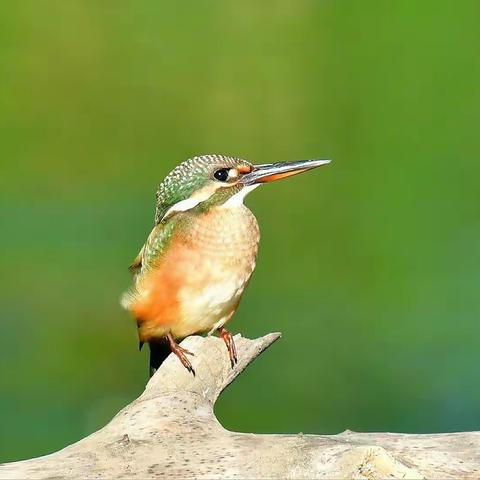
221	175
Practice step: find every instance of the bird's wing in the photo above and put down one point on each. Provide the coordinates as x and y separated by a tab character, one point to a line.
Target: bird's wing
136	265
152	249
147	257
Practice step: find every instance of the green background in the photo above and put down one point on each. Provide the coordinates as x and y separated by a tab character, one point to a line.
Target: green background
370	267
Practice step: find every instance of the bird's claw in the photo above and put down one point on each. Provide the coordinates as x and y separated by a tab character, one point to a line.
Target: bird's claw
181	353
230	343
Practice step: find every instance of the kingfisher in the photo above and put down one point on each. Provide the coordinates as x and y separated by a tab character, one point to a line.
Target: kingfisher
190	274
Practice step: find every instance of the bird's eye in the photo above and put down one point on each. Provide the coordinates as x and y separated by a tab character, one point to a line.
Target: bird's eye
221	175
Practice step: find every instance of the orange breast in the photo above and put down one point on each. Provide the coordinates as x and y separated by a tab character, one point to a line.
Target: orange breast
199	279
156	305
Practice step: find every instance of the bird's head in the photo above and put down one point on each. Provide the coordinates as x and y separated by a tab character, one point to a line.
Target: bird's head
210	180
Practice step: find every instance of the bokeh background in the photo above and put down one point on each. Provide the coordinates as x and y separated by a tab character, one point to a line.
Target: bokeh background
370	267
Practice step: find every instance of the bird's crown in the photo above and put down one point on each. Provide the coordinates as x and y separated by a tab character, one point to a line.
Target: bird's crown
197	180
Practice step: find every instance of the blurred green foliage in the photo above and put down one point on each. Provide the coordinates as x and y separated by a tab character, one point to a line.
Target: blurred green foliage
370	267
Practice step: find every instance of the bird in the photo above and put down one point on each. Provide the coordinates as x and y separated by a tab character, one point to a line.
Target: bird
189	276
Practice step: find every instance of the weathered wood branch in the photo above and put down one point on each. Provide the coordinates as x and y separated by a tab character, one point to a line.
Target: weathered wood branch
170	431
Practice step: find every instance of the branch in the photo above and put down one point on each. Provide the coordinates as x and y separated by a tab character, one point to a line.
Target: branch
170	431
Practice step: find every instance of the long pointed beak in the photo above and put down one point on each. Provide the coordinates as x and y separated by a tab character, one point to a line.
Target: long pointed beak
269	172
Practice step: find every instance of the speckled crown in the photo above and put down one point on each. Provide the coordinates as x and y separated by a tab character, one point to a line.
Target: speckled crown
189	176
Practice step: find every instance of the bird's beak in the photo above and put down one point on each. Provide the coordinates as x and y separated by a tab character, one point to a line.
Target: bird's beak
269	172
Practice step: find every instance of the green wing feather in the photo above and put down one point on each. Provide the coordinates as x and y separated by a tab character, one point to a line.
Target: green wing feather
150	255
156	244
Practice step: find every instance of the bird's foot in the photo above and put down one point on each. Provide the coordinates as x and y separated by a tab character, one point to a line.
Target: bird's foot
181	353
230	343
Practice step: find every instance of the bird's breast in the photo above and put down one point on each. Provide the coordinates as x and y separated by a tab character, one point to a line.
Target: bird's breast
223	239
197	283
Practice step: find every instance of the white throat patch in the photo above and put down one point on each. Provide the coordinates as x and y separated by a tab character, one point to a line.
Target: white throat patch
237	199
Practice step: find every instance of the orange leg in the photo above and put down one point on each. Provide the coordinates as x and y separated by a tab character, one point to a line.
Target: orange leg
180	353
228	339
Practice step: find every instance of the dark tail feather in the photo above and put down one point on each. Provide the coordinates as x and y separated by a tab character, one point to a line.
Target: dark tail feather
159	351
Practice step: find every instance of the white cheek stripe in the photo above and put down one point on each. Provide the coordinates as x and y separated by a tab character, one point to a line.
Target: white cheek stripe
189	203
234	201
183	205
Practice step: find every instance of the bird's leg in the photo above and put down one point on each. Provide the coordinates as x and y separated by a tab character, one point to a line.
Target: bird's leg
229	342
180	353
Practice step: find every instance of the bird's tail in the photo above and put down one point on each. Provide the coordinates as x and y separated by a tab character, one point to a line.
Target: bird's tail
159	351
